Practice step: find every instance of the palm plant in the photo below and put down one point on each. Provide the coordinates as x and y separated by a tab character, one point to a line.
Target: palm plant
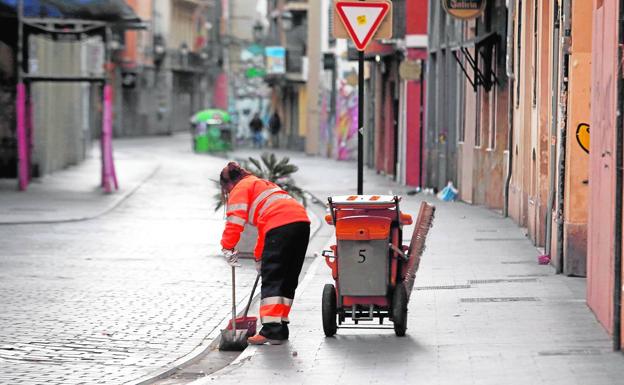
269	168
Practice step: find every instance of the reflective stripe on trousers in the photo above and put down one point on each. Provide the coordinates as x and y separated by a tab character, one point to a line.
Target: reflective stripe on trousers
275	309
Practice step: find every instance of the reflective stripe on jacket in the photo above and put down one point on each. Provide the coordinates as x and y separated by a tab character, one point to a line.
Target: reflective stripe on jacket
262	204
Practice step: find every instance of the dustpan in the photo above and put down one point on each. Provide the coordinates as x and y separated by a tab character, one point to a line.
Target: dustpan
245	322
234	336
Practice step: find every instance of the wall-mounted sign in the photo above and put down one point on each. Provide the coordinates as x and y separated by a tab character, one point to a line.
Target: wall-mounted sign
275	60
464	9
411	69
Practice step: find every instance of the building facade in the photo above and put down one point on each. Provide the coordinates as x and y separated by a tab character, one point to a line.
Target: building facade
522	143
468	99
167	72
604	284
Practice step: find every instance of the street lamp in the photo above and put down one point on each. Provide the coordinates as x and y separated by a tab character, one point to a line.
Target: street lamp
159	49
258	30
184	51
287	20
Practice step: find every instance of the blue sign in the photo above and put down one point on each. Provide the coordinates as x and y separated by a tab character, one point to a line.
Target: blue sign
275	60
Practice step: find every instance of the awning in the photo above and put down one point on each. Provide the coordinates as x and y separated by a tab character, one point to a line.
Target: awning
103	10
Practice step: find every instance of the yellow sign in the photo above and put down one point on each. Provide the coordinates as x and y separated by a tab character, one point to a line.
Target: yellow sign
582	136
361	20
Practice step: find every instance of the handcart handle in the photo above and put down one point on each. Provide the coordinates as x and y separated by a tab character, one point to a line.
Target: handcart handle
326	254
400	252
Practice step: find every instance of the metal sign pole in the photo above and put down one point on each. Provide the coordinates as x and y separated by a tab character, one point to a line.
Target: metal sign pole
360	186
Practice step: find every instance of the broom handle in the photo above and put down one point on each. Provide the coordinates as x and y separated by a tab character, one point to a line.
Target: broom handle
233	300
253	290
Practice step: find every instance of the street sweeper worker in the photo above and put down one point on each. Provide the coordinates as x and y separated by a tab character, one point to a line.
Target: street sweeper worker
283	234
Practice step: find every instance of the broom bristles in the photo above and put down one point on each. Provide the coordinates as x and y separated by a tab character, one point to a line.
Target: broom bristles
424	222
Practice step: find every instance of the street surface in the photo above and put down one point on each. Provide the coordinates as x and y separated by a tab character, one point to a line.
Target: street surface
124	295
132	293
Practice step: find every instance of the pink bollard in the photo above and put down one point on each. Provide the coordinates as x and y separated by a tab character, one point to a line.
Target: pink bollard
108	169
22	138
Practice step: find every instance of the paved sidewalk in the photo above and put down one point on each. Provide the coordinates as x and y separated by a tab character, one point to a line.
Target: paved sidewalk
483	312
74	194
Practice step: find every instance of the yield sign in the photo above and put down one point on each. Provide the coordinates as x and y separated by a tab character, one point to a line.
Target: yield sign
362	19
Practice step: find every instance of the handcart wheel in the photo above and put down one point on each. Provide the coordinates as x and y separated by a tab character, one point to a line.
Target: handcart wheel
399	310
329	310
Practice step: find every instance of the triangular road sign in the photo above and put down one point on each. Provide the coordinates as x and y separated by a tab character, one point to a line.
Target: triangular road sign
362	19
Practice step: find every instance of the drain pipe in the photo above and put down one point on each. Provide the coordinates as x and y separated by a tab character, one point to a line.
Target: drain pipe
510	87
553	133
619	153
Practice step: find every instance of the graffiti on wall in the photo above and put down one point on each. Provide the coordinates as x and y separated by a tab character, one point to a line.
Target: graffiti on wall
346	122
582	136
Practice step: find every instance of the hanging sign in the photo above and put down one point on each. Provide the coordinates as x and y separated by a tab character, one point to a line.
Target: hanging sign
464	9
362	21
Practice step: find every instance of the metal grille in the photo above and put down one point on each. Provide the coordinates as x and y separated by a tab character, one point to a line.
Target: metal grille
498	239
443	287
528	275
572	352
518	262
505	280
499	299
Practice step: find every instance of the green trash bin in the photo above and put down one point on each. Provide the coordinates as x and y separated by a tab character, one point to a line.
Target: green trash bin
211	131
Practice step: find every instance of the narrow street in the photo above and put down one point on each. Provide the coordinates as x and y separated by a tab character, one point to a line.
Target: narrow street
121	298
461	164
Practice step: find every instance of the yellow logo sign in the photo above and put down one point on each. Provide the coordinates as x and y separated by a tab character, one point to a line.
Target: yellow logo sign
582	136
361	20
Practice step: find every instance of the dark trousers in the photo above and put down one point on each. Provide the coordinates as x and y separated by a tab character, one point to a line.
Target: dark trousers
282	259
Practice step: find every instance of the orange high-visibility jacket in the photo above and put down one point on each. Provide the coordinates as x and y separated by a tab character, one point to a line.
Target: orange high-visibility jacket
262	204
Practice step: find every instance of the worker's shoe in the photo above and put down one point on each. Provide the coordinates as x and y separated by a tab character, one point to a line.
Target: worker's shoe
259	339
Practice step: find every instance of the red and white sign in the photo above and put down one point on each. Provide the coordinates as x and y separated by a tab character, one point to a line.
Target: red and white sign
362	19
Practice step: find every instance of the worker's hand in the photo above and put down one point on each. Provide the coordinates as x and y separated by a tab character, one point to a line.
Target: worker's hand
231	257
259	266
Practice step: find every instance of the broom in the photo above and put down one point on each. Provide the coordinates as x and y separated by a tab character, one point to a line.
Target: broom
417	244
233	339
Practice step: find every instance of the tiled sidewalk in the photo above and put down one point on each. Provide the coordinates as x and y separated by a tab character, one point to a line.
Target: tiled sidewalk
483	312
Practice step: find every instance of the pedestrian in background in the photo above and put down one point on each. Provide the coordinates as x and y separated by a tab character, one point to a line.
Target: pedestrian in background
256	125
283	234
275	126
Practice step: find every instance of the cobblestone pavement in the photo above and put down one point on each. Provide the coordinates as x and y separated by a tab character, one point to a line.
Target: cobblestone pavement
116	298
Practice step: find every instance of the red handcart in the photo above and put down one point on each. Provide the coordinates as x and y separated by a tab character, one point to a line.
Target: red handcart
373	271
